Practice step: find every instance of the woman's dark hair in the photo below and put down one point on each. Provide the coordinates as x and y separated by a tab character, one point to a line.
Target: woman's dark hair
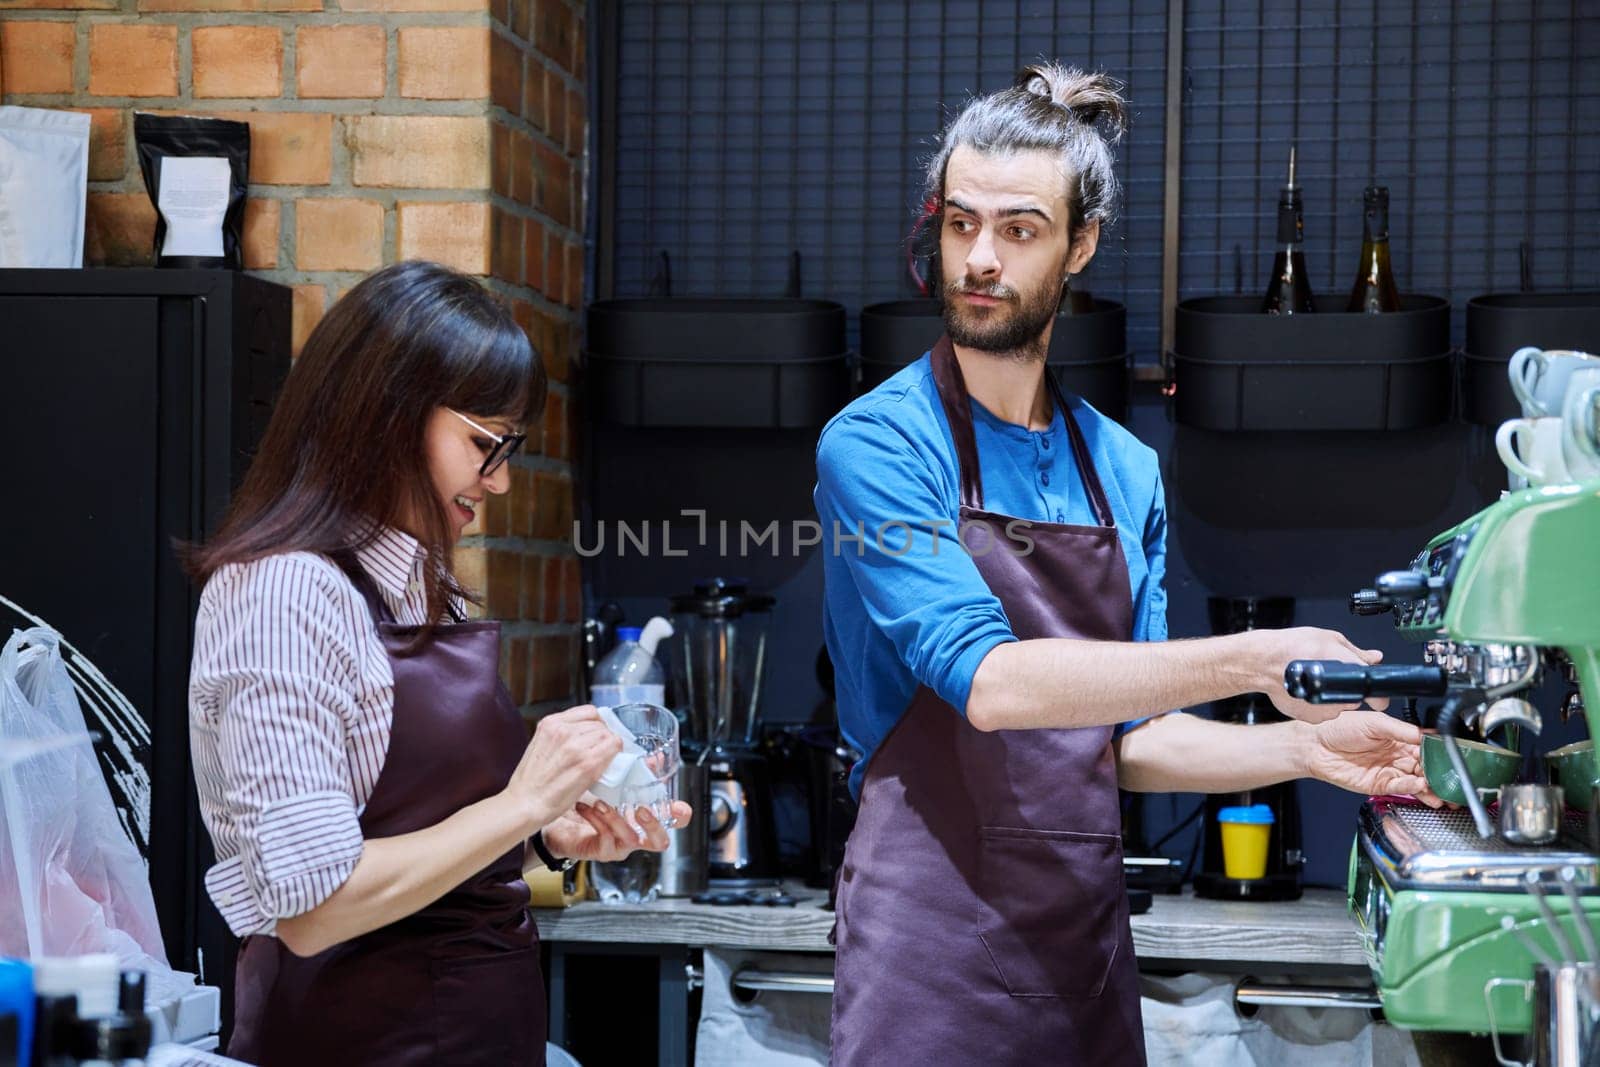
344	452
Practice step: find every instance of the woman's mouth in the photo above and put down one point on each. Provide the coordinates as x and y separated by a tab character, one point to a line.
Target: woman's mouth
467	508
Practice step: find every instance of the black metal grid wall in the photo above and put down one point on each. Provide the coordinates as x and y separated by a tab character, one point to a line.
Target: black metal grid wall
749	129
1481	116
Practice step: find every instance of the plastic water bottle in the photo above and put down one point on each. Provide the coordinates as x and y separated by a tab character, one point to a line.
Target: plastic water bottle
635	880
630	674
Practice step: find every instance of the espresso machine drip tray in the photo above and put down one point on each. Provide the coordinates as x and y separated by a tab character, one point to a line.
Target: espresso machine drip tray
1418	847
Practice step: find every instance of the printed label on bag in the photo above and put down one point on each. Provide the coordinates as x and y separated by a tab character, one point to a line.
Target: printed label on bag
194	199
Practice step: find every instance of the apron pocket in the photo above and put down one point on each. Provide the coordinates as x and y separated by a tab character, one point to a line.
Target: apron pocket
1053	904
490	1009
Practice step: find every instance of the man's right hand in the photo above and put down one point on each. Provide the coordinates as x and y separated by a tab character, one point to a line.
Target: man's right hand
1274	650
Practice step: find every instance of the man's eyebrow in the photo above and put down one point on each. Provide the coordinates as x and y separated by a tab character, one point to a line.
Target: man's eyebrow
1026	209
1010	212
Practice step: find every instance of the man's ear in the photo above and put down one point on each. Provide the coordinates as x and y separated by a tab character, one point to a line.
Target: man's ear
1084	243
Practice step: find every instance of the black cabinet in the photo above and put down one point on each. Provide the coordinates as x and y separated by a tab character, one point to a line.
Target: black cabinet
130	405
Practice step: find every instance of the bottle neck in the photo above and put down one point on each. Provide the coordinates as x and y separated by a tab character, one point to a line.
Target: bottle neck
1375	251
1375	226
1291	224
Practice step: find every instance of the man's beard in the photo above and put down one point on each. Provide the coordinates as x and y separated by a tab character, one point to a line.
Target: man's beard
1013	328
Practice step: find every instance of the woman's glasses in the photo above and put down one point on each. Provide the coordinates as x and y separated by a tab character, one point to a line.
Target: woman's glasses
505	445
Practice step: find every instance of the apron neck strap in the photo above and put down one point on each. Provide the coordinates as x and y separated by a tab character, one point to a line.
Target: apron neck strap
957	404
958	412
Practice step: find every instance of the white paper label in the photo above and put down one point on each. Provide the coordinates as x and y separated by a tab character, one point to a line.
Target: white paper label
194	199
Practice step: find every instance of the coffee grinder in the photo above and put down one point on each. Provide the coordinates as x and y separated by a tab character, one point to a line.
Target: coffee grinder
1231	615
720	651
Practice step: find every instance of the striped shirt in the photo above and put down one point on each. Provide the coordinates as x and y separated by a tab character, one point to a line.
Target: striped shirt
291	697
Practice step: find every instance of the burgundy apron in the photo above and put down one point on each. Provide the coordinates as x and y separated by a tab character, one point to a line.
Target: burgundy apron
981	914
457	982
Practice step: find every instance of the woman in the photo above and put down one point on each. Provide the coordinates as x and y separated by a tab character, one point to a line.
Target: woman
368	785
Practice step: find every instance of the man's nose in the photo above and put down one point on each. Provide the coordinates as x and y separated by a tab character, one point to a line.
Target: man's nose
982	261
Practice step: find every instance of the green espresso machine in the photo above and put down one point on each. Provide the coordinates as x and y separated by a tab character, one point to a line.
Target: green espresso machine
1454	909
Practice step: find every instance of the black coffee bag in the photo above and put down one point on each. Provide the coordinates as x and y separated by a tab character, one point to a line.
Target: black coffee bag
196	170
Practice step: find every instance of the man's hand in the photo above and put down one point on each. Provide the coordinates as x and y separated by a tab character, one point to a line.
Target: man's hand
1370	753
1276	649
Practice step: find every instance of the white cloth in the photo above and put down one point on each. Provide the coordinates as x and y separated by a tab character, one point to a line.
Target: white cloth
775	1029
1190	1021
627	779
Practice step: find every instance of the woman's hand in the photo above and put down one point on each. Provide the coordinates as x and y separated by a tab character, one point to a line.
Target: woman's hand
594	830
568	753
1371	753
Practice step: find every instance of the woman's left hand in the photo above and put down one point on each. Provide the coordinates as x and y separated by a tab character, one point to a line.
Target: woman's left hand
594	830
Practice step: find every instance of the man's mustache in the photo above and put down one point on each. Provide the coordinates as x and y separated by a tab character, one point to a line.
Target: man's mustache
994	290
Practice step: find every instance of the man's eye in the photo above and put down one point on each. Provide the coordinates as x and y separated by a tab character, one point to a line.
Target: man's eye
960	225
1021	233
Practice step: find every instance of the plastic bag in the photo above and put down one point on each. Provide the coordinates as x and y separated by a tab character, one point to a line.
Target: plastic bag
44	184
71	882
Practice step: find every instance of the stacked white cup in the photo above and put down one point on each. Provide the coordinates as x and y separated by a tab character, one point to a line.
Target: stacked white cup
1557	440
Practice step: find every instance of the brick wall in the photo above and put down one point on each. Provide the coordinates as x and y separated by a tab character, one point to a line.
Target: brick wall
381	130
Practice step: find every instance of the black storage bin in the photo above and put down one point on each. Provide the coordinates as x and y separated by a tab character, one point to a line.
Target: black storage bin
1500	323
1237	369
1088	349
715	363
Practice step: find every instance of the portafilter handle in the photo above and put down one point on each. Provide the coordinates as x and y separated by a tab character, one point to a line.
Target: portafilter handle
1369	602
1319	681
1402	585
1388	590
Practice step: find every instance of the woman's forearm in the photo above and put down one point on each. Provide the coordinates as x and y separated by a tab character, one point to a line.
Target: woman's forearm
398	876
1186	754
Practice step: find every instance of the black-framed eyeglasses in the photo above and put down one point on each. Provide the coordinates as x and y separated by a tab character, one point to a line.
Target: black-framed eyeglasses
505	445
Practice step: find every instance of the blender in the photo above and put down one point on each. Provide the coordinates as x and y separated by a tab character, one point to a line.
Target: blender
719	659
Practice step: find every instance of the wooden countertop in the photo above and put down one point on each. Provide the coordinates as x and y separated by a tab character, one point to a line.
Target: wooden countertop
1315	929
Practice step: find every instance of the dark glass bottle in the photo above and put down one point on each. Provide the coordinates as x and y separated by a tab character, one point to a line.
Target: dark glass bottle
1289	292
1374	290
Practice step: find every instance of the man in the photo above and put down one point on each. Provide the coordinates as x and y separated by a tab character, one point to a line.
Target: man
1002	615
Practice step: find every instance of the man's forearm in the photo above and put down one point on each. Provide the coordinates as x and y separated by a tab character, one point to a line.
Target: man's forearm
1026	685
1187	754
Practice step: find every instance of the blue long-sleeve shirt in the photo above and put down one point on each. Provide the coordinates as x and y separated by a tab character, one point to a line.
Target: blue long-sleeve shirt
905	604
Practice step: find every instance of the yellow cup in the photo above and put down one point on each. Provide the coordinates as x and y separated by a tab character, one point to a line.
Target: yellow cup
1246	832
